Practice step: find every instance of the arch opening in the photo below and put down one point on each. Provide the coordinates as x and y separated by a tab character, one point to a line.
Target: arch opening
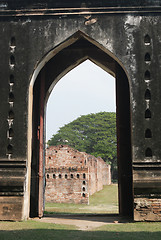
148	133
147	94
148	153
63	61
147	114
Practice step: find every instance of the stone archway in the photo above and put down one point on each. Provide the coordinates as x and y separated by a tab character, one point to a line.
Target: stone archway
56	64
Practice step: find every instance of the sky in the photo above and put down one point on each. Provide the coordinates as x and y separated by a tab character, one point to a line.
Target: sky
85	89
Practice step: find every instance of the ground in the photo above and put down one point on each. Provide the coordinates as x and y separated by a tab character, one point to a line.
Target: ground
82	226
104	201
33	230
100	203
83	222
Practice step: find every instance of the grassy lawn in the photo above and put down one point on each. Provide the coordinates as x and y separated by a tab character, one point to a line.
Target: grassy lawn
38	231
100	201
104	201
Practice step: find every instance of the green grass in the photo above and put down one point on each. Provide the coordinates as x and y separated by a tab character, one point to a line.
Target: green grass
35	230
104	201
32	230
107	196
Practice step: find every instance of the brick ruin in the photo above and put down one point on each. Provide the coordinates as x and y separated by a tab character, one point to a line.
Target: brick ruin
123	37
72	176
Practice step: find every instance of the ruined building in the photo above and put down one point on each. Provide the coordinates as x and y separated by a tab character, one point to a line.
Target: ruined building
41	41
71	176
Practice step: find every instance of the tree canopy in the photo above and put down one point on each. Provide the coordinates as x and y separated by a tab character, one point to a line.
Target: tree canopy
93	133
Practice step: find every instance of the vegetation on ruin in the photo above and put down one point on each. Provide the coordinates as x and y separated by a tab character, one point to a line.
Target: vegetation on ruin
104	201
94	134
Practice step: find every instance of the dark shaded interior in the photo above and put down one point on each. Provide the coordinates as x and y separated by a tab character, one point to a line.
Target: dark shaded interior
69	57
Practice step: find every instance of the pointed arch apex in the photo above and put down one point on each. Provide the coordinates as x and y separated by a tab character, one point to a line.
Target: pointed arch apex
73	39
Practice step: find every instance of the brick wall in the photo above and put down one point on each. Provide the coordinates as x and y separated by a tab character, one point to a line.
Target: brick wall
71	176
147	209
67	185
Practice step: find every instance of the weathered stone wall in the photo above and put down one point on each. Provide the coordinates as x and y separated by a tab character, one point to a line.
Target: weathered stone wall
71	176
121	36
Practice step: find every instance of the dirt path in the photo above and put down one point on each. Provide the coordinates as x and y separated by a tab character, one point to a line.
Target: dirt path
82	222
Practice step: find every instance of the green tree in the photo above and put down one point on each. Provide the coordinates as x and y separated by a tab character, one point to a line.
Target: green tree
94	134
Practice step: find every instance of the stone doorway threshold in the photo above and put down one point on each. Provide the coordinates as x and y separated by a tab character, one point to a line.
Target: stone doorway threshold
83	222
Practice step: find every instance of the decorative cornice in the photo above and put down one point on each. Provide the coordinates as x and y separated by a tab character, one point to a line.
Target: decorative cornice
79	11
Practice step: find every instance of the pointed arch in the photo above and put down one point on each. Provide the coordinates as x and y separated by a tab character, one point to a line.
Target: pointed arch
147	39
147	58
148	133
148	152
147	114
48	72
78	36
147	75
147	94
